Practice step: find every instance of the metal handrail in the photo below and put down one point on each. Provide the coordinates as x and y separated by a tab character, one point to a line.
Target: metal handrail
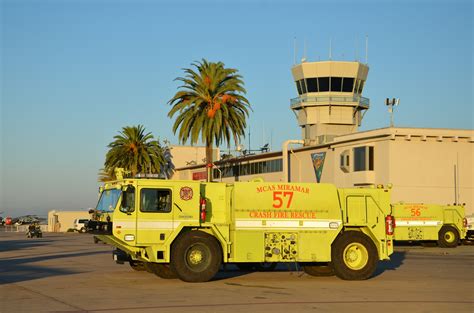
330	99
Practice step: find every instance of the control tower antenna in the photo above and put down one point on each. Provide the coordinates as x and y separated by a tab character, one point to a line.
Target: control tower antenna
304	51
330	49
366	49
294	50
356	49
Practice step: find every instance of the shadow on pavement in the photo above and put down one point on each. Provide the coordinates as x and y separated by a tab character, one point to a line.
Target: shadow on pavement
12	245
22	269
232	270
396	260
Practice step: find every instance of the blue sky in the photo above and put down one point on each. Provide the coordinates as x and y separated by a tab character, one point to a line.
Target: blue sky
73	73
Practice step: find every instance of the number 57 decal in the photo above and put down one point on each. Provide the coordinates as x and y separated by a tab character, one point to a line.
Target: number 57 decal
279	196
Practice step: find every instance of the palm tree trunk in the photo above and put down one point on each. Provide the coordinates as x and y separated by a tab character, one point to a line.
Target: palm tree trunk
209	161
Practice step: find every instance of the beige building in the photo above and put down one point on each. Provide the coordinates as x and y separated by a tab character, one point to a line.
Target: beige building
190	155
61	221
423	165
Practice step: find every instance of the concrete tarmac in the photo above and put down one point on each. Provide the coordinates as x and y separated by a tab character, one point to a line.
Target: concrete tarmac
69	273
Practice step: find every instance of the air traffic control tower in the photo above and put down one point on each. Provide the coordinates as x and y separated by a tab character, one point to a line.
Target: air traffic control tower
330	101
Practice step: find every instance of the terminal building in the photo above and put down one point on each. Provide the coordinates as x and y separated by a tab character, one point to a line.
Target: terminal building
424	165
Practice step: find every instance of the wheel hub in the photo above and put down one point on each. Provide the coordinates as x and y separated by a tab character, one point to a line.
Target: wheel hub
356	256
449	237
195	257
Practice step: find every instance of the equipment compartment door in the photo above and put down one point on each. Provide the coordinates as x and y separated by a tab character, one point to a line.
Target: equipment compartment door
356	210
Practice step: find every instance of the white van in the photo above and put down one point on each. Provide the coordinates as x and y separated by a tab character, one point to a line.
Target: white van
80	224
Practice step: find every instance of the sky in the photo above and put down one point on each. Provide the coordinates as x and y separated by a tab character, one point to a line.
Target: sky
73	73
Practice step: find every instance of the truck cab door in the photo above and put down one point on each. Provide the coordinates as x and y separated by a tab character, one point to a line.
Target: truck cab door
154	214
124	218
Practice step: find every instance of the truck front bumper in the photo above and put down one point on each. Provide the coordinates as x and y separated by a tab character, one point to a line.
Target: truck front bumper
133	252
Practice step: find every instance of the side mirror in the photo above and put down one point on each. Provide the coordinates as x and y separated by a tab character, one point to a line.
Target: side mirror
125	209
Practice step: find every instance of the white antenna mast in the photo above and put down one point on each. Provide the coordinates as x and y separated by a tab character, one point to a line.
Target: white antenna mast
357	49
366	49
304	51
330	48
294	50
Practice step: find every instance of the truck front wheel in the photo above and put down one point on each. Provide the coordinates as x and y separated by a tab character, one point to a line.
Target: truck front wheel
448	237
318	269
354	256
196	257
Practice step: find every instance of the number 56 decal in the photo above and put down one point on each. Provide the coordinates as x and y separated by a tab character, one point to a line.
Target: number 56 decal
279	197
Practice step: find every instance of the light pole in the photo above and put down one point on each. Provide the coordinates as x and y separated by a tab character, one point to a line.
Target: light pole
391	103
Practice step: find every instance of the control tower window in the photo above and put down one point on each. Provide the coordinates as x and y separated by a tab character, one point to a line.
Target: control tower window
312	84
298	86
323	84
356	87
303	86
336	84
347	84
361	87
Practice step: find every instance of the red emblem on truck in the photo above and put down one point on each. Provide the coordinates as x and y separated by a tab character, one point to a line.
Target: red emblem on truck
186	193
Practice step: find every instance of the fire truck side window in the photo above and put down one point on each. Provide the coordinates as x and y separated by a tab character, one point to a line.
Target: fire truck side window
128	200
155	200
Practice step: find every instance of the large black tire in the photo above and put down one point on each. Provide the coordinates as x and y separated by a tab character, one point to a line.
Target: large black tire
137	265
162	270
196	256
448	237
354	256
318	269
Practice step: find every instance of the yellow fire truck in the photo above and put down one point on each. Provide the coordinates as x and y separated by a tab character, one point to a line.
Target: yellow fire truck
187	229
424	222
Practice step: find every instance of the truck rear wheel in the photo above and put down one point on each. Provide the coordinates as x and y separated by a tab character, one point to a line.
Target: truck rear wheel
196	257
318	269
354	256
162	270
448	237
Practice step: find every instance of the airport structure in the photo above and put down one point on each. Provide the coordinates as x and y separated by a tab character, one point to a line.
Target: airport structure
62	221
424	165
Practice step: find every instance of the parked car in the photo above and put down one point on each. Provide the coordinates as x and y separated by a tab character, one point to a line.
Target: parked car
80	224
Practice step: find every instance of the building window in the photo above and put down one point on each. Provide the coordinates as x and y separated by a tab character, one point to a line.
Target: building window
363	159
298	86
312	84
336	84
323	83
240	169
303	85
344	161
155	200
347	84
361	87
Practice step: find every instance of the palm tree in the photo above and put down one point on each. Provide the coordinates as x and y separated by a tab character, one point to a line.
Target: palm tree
135	151
210	105
106	174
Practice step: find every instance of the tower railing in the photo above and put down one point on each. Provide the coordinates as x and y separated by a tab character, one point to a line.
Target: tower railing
362	101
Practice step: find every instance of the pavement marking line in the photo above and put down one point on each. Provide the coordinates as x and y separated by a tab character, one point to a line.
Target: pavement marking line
271	303
48	297
253	286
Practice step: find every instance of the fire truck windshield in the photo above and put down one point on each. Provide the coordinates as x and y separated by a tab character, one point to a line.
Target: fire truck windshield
108	200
